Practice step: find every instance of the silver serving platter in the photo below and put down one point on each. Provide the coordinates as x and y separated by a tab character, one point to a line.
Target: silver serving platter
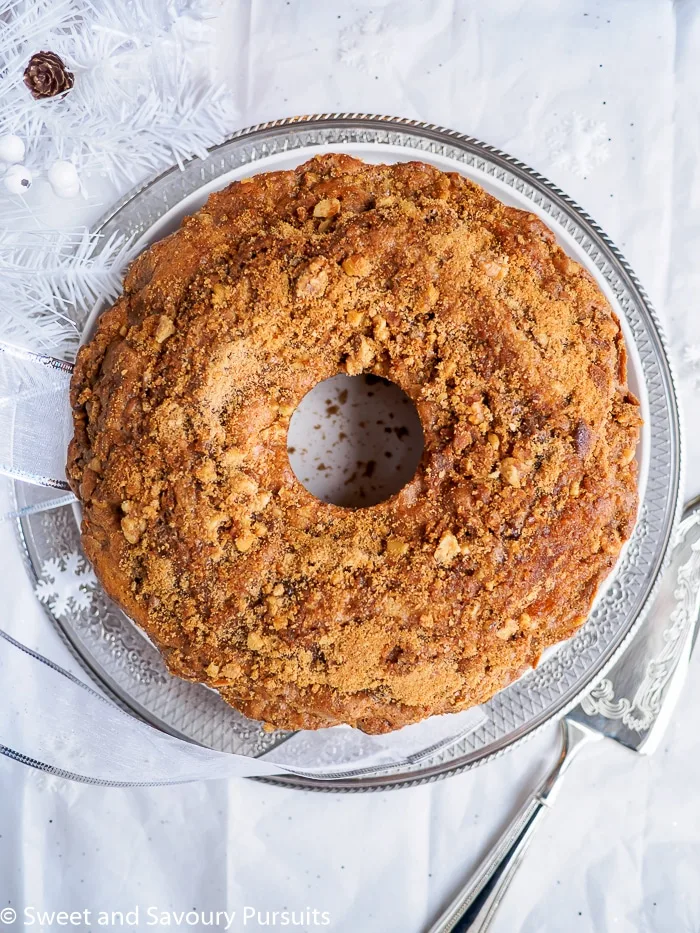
121	659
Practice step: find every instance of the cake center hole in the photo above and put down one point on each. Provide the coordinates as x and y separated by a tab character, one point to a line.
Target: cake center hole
355	440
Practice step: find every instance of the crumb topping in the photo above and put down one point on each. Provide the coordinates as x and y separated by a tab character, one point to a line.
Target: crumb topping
301	613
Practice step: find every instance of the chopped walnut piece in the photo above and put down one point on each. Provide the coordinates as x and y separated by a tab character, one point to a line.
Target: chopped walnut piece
329	207
479	413
260	501
206	473
241	484
219	295
395	547
449	369
254	641
381	330
357	266
447	549
165	329
494	268
232	458
313	281
526	621
510	472
245	541
211	524
427	299
505	631
132	529
359	358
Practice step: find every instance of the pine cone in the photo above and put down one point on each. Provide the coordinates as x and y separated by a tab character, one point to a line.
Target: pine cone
46	75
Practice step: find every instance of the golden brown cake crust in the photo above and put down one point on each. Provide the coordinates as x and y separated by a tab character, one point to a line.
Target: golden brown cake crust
304	614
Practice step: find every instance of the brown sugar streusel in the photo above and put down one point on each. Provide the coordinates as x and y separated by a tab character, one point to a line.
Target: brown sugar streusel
304	614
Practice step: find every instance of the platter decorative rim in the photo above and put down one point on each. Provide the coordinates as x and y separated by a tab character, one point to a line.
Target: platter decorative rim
122	660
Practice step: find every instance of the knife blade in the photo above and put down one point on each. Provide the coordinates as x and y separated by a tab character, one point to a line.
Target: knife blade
634	703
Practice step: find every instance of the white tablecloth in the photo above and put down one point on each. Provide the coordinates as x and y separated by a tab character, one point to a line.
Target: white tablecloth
603	98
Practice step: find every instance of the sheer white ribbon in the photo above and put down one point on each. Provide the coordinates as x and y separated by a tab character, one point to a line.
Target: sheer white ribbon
35	416
53	721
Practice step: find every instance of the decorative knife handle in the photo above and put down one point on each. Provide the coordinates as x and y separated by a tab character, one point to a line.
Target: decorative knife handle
473	908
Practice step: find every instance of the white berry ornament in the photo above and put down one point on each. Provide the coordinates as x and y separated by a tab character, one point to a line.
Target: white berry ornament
63	178
18	179
12	148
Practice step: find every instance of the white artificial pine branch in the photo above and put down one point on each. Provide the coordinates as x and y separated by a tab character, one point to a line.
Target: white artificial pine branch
50	280
138	105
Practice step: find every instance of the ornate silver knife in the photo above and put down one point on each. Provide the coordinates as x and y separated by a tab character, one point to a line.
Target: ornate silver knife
632	706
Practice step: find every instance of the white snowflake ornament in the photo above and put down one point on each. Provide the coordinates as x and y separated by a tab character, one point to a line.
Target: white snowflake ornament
691	354
367	42
579	144
63	752
12	149
18	179
66	584
63	178
194	9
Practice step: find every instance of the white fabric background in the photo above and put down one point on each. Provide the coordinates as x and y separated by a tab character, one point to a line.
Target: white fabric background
604	99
